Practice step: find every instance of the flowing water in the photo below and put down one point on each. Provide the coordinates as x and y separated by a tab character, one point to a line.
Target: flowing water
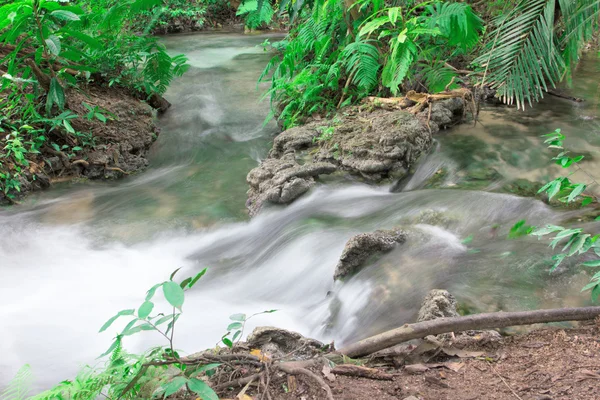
71	257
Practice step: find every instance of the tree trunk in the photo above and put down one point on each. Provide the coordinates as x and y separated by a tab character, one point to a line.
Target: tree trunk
470	322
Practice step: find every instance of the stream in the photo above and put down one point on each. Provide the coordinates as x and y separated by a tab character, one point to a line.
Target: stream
74	256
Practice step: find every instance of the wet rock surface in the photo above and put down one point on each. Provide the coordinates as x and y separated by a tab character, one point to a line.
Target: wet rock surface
360	248
373	145
437	304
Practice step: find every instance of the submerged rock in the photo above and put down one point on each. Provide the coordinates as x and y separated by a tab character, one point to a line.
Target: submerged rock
361	248
277	342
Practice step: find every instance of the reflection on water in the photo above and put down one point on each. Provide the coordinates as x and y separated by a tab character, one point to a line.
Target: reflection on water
74	256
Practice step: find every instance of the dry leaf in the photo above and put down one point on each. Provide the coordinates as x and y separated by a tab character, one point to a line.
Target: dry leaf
452	366
327	372
416	368
453	351
291	383
262	357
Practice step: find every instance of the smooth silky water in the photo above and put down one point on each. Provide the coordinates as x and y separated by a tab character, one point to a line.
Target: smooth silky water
74	256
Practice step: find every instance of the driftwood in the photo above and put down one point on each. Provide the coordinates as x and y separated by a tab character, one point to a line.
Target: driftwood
158	102
470	322
565	96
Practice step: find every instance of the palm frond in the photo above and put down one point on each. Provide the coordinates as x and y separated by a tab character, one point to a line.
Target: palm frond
20	386
457	22
524	54
361	60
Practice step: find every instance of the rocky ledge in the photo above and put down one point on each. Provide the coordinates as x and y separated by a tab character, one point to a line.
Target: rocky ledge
368	142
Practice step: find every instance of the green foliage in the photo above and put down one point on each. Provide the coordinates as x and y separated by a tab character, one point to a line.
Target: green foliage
235	329
329	62
256	13
575	241
51	47
18	388
535	45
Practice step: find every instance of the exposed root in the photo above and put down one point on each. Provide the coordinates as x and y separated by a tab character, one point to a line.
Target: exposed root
363	372
290	369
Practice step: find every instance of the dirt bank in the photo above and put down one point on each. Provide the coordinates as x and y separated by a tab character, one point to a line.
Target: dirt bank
98	150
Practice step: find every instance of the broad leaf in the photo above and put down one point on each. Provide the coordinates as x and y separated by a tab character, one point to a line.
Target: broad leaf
53	44
202	389
238	317
145	309
108	323
174	294
65	15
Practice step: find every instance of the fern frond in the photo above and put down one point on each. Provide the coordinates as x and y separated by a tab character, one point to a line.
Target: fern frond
19	387
437	76
396	68
361	60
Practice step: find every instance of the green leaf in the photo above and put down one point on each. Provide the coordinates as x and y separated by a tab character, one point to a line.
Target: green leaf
593	263
236	335
185	282
152	290
172	323
202	389
53	44
197	277
174	385
548	229
234	326
173	273
65	15
590	285
145	309
108	323
113	346
554	188
227	342
469	238
586	200
578	244
568	232
238	317
89	40
559	259
174	294
56	93
597	218
204	368
139	328
595	293
576	192
164	319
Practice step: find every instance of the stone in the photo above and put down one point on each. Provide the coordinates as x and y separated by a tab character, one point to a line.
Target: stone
277	342
360	248
437	304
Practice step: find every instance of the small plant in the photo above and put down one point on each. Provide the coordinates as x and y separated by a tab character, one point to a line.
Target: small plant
326	133
578	242
94	112
235	330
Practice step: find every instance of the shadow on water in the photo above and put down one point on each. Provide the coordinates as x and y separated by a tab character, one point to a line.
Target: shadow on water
78	254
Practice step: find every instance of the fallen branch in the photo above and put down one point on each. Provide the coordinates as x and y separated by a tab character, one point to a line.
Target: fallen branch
363	372
565	96
470	322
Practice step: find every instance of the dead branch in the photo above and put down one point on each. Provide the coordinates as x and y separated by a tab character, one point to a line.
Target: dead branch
565	96
363	372
470	322
238	382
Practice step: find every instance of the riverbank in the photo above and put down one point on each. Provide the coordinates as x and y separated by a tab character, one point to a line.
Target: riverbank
110	142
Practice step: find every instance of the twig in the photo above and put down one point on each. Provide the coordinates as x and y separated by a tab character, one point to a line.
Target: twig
289	369
504	381
238	382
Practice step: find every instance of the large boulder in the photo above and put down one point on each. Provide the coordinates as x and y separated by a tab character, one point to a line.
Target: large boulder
360	248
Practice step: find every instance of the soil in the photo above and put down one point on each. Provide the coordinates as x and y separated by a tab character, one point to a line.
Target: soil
547	364
108	150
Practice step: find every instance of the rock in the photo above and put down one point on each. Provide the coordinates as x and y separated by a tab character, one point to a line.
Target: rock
282	181
364	246
437	304
276	342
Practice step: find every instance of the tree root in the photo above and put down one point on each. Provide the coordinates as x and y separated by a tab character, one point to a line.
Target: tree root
470	322
363	372
288	368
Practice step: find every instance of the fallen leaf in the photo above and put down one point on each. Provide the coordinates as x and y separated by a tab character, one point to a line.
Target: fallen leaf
452	366
453	351
291	383
262	357
327	372
416	368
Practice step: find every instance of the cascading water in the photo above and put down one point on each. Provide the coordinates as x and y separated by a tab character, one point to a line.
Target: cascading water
70	258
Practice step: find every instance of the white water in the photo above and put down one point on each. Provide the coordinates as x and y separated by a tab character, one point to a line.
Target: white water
73	257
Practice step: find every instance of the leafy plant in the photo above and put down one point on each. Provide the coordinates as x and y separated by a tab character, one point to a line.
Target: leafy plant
18	388
578	242
535	45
